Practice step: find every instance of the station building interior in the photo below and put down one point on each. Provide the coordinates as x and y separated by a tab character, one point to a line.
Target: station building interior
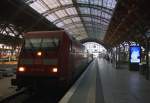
107	28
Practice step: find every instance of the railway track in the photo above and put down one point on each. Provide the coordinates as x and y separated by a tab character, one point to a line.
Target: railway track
39	97
13	96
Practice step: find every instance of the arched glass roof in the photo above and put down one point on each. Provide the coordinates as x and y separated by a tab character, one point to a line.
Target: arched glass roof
80	18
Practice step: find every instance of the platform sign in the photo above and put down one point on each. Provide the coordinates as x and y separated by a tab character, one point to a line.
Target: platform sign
135	54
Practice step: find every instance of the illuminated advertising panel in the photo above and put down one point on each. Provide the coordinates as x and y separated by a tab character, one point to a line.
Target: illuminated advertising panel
135	54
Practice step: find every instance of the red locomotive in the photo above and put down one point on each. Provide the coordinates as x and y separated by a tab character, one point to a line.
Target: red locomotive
50	58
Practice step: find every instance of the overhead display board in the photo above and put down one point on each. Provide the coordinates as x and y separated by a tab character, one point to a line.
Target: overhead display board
135	54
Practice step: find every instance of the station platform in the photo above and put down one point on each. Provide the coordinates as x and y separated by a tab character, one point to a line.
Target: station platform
101	83
6	89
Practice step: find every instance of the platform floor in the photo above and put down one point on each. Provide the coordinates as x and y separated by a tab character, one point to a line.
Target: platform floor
102	83
5	87
5	83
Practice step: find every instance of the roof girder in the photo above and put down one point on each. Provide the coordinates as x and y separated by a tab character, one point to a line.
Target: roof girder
82	15
85	22
62	7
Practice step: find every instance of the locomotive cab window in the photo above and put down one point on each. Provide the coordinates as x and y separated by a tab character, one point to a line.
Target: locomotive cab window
42	43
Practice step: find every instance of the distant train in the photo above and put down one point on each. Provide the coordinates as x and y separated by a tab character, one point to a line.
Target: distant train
50	58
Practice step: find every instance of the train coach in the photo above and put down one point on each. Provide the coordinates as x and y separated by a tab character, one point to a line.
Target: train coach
51	59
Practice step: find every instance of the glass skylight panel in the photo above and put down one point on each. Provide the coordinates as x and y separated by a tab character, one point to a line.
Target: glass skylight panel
78	38
103	22
60	24
66	2
28	1
7	29
4	32
52	17
86	18
88	24
111	3
71	11
67	21
94	2
82	35
104	27
79	25
105	3
38	6
72	26
96	20
76	19
15	32
94	12
106	21
67	29
90	29
76	30
98	2
73	32
83	1
85	10
61	13
105	15
11	34
99	12
52	3
81	29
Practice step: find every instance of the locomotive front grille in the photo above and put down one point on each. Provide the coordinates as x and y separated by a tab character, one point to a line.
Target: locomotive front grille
50	61
38	61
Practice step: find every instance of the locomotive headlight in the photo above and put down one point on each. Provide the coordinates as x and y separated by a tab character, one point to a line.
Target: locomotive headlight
21	69
39	53
55	70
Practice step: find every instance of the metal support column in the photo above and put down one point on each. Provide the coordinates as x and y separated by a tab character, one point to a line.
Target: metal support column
119	57
147	58
116	58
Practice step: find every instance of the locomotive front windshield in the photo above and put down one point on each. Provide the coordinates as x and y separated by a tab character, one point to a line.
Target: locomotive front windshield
42	43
